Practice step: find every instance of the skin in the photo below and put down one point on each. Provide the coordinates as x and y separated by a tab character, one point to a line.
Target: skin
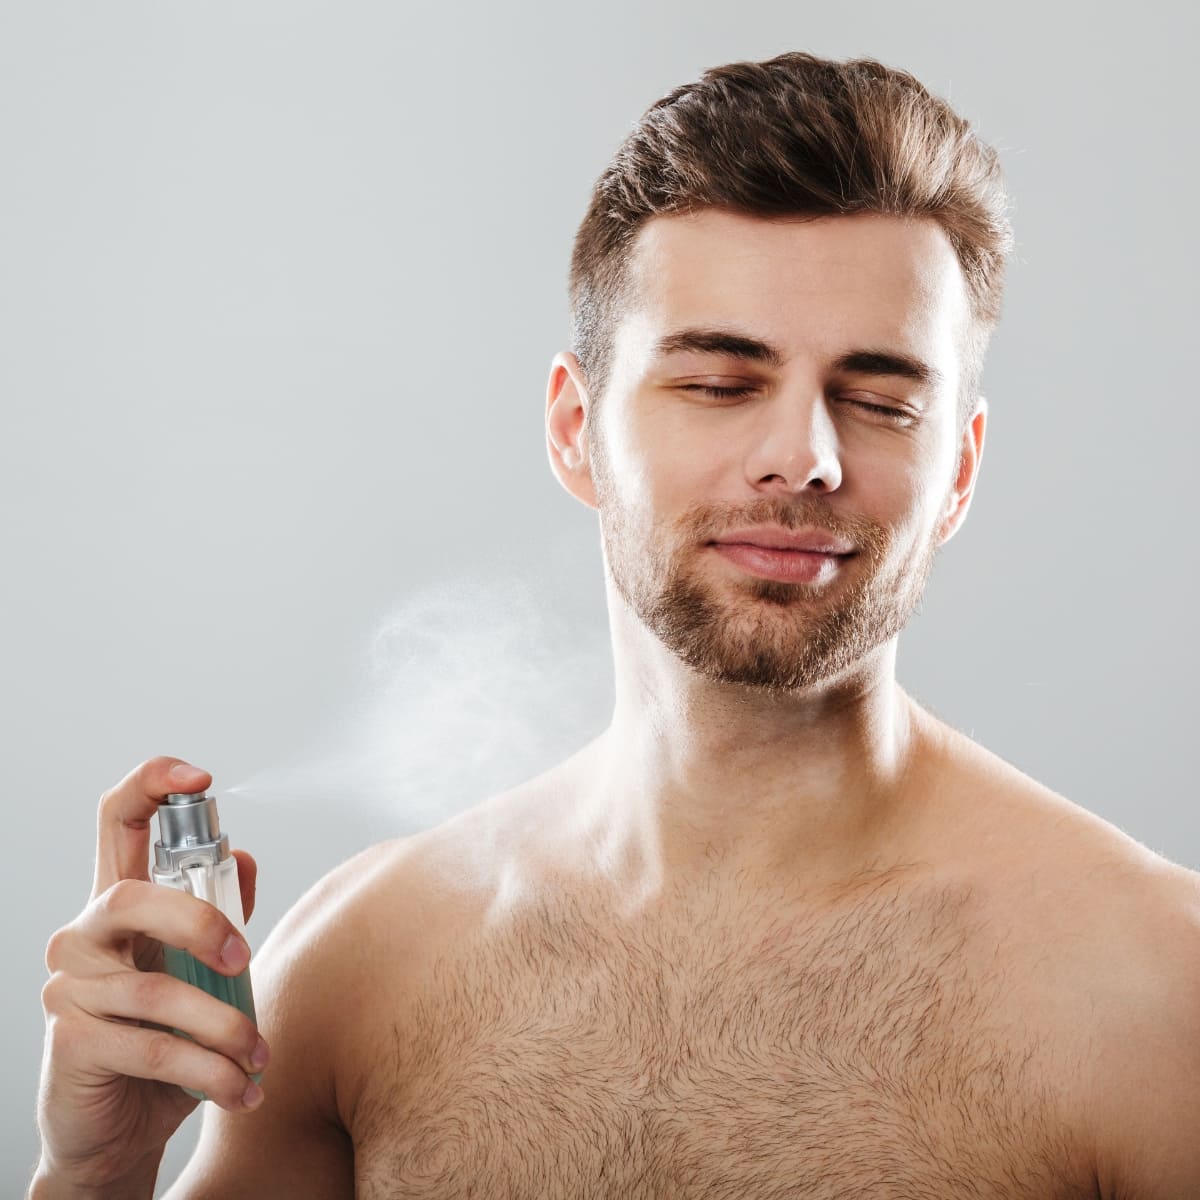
764	779
810	774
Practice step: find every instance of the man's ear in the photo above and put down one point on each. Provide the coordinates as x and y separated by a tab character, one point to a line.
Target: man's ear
970	455
567	409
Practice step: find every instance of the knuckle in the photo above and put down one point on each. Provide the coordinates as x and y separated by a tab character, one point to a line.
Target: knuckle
112	795
110	798
119	896
148	990
56	947
213	928
54	994
158	1050
240	1033
64	1038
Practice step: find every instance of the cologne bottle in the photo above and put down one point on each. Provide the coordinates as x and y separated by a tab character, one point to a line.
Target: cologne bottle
192	855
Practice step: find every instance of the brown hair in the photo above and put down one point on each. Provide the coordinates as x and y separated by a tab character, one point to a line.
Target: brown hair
795	135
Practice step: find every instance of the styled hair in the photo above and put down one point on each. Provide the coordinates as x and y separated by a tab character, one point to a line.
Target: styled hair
796	136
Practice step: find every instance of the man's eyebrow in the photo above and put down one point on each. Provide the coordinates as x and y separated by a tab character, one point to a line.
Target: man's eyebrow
752	349
889	362
718	341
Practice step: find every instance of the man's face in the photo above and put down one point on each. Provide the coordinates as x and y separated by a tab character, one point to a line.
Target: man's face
676	468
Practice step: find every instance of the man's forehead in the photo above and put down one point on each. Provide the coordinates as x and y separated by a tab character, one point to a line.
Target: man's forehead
883	279
914	250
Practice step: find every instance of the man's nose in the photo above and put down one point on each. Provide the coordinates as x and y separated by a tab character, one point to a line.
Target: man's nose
795	446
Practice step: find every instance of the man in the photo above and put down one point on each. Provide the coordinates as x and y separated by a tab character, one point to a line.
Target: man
777	931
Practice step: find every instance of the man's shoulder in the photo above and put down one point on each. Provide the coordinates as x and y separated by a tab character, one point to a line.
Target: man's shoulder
335	971
1112	929
392	893
1010	809
1111	890
398	900
1120	923
1146	1040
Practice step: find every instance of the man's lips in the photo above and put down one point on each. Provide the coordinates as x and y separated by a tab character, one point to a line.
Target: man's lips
809	541
807	555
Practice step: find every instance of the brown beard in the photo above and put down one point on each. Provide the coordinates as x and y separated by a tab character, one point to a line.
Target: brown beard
767	634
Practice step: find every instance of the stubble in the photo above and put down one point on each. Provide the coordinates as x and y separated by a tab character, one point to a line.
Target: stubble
732	627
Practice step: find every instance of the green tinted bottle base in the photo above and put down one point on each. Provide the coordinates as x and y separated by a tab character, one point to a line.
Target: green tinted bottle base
232	989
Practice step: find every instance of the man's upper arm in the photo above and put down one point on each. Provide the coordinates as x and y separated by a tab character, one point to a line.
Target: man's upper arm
293	1144
1149	1081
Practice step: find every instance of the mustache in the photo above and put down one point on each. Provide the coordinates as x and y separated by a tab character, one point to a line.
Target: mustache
707	522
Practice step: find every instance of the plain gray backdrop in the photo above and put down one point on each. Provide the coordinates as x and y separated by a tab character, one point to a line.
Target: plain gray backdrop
280	284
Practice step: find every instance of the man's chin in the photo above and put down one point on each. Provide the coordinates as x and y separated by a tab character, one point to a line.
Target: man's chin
765	674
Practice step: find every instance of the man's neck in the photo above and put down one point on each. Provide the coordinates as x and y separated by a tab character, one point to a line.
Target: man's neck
694	776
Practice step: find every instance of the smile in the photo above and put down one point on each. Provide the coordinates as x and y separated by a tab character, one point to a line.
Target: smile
785	566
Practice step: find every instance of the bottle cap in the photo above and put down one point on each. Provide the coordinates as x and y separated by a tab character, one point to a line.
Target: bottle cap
188	827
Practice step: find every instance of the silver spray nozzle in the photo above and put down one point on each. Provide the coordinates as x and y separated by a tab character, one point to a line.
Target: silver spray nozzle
188	826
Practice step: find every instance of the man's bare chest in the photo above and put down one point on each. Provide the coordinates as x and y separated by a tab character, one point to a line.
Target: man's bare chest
875	1051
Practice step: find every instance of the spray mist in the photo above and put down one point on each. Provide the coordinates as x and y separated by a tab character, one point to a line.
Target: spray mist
192	855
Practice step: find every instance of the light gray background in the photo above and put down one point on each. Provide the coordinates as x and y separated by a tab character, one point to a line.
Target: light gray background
279	288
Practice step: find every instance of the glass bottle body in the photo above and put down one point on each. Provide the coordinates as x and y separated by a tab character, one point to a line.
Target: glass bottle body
217	883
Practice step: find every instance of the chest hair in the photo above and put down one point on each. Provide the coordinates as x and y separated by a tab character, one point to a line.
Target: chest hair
733	1050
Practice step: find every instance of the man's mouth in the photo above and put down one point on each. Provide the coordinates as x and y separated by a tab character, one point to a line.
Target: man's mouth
810	540
784	565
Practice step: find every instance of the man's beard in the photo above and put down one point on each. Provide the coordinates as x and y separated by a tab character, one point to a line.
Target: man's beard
763	633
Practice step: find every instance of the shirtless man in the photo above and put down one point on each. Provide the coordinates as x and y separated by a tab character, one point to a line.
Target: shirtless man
778	930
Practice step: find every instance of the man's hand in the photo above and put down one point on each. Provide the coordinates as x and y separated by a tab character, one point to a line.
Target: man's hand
110	1093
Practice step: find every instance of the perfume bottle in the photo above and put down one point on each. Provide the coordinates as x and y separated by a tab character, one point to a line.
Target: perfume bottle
192	855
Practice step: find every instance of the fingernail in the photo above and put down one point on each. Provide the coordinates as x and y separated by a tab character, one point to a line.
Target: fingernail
235	953
252	1096
258	1059
182	771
